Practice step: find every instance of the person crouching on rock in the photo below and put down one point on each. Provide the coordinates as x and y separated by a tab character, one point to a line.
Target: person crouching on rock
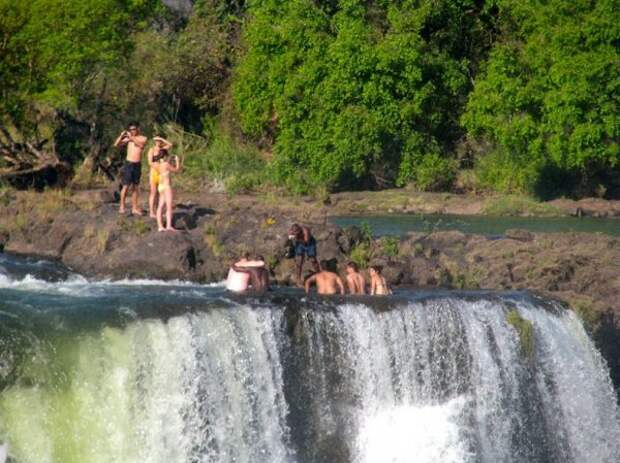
305	246
238	279
160	143
355	280
327	281
164	167
378	285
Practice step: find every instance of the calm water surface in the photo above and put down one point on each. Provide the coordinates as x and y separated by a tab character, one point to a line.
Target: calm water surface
400	224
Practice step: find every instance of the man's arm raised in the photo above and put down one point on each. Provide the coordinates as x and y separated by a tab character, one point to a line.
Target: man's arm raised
122	139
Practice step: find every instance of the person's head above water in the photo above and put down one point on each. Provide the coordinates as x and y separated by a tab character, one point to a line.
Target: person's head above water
329	265
375	269
352	267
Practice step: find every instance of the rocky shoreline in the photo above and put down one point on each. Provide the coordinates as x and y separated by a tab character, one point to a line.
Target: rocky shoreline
85	232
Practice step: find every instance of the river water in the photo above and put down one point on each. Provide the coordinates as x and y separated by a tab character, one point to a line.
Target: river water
149	371
492	226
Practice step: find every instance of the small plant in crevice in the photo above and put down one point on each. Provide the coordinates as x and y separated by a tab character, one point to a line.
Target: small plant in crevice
366	231
525	331
390	246
211	240
102	241
362	254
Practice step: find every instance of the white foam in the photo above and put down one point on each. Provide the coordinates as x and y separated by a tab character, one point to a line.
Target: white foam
77	285
424	434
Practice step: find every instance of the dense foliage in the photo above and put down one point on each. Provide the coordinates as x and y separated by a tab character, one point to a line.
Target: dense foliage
548	98
313	94
352	93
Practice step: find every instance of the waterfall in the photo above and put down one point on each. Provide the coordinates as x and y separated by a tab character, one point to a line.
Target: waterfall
440	378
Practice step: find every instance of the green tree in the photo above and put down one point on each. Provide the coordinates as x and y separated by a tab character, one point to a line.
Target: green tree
51	51
353	93
548	99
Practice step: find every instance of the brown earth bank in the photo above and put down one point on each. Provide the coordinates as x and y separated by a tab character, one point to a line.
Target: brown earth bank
412	202
86	233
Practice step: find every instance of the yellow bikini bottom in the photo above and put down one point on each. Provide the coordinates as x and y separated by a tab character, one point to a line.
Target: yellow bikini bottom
154	177
162	187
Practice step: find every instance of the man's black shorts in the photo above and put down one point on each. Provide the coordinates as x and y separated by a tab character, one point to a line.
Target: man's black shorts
130	173
307	249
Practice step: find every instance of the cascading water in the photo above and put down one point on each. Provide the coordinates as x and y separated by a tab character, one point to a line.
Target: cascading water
155	372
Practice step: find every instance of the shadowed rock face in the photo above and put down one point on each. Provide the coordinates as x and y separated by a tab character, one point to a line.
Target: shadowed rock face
89	236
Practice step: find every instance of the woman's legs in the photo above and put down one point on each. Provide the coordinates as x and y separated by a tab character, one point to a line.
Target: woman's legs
168	197
160	210
152	196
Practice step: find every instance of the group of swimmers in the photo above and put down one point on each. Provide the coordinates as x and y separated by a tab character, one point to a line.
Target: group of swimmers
161	163
245	273
252	274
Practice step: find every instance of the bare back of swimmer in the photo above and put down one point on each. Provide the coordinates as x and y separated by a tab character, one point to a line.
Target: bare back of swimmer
238	281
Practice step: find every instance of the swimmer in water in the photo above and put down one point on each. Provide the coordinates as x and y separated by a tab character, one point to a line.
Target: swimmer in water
259	275
238	280
327	282
378	285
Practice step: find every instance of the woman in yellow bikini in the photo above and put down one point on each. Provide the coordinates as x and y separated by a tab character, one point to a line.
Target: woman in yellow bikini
160	143
164	167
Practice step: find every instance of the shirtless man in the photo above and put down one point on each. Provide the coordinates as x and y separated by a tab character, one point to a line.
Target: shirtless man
238	281
130	173
259	276
355	280
160	144
326	282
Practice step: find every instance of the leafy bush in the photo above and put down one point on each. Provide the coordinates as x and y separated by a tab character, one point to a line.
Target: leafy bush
435	173
354	94
239	167
545	97
390	246
362	254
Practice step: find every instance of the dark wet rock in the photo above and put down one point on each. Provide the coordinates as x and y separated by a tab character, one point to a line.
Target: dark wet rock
4	237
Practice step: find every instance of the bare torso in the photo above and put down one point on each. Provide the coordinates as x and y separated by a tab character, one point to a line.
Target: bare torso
326	283
238	280
380	286
164	169
135	148
356	283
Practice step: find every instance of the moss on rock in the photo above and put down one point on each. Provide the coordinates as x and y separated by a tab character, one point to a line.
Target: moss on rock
525	330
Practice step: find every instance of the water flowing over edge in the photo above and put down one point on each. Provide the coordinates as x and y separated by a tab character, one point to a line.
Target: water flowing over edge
444	378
